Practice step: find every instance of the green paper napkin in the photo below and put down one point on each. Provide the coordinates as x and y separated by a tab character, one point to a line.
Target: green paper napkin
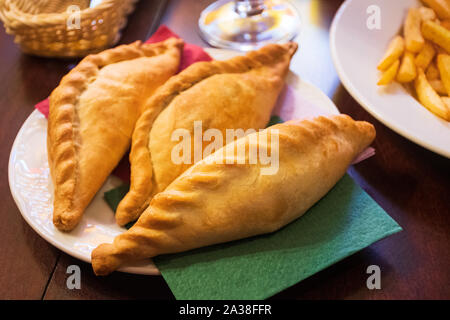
345	221
113	197
274	120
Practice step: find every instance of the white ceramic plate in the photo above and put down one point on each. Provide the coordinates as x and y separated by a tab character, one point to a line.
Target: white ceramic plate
356	52
31	185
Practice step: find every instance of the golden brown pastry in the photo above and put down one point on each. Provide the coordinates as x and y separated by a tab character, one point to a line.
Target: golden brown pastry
92	116
239	93
213	202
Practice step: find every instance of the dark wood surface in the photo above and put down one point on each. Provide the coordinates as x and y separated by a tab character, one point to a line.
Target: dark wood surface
409	182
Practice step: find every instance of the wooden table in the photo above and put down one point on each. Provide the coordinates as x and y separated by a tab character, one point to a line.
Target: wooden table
409	182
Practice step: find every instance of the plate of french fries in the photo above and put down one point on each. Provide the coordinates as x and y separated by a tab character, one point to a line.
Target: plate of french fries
394	58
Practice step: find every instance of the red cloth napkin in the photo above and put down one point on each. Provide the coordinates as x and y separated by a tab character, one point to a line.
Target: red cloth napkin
191	54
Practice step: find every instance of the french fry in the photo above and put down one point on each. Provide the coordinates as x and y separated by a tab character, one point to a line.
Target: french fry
446	101
407	71
446	24
427	14
426	32
443	63
429	97
389	75
424	58
432	72
413	36
441	7
438	86
437	34
393	53
439	49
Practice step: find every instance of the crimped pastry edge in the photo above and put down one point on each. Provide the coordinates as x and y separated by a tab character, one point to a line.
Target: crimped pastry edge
61	137
166	211
140	156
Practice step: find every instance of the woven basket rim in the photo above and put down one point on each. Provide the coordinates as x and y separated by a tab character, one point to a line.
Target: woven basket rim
46	34
8	15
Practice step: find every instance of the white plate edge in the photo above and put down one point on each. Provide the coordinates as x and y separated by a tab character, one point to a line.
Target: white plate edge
361	100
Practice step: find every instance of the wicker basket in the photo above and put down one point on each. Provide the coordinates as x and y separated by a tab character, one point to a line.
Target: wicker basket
49	27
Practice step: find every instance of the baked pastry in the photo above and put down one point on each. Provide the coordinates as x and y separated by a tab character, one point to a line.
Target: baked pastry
92	115
215	201
239	93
